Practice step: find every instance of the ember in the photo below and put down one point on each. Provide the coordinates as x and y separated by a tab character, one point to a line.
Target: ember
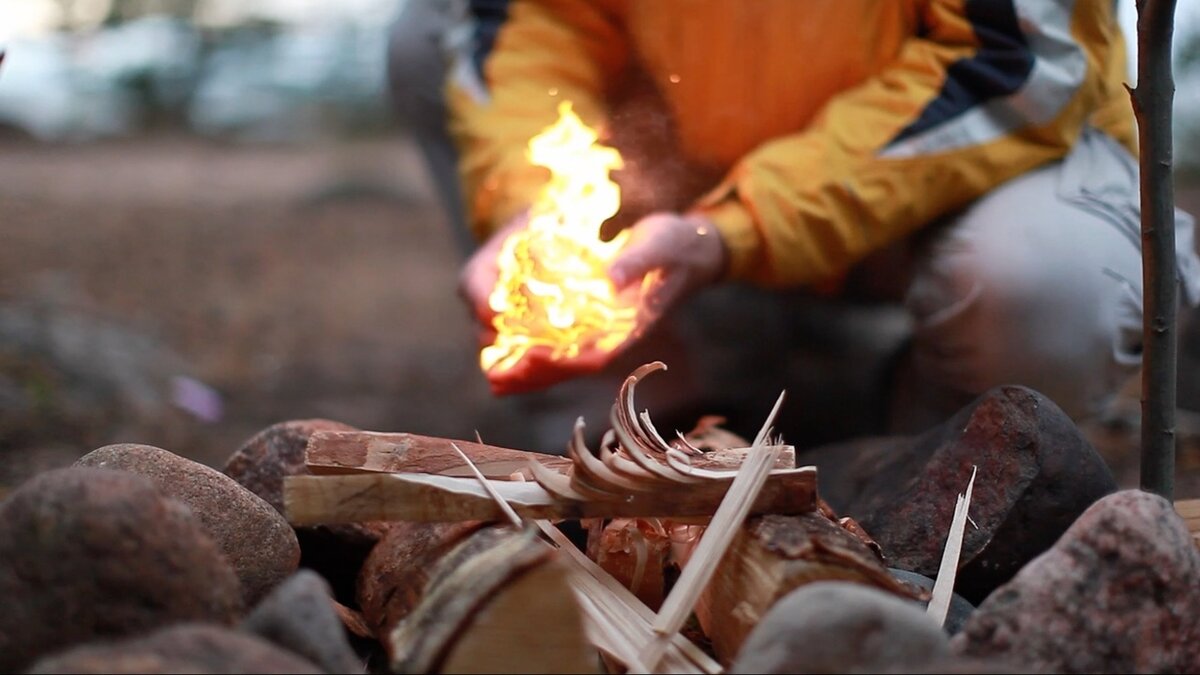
553	291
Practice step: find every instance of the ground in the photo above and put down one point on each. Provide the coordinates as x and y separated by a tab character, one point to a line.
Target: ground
294	281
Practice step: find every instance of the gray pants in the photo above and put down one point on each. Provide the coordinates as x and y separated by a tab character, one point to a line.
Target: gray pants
1037	283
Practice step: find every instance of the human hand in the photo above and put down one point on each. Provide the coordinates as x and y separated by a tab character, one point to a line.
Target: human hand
538	369
480	273
671	255
668	256
541	366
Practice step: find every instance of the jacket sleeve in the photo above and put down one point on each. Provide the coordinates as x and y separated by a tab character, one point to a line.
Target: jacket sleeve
988	90
546	51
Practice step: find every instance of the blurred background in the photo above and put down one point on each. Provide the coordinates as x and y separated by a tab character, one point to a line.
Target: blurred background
210	222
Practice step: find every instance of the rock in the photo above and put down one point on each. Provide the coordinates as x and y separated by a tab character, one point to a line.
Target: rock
300	616
1037	473
959	666
186	648
89	553
337	552
960	610
838	627
274	453
1118	593
257	541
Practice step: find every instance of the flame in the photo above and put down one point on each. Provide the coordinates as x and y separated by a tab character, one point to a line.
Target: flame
553	289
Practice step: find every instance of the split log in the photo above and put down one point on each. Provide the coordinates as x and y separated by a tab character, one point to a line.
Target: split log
464	597
335	452
497	602
532	625
635	473
774	555
345	452
618	623
311	500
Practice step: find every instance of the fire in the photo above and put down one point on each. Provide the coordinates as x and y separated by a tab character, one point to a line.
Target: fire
553	290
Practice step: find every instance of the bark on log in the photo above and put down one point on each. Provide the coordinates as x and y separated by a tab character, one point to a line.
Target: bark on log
774	555
334	452
344	452
395	574
497	602
464	598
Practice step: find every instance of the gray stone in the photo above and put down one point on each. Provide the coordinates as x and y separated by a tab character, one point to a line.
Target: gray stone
838	627
300	616
88	554
960	610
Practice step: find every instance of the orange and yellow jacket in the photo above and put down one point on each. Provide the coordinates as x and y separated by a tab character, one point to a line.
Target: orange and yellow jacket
841	125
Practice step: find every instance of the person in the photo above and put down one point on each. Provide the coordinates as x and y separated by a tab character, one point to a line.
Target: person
969	161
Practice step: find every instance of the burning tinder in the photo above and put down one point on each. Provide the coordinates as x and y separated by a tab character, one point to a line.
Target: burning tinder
553	290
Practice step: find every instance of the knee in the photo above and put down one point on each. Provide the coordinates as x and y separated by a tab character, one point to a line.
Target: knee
1004	315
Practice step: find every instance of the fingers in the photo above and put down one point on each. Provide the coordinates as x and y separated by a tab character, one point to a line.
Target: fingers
649	249
622	220
537	370
633	265
662	293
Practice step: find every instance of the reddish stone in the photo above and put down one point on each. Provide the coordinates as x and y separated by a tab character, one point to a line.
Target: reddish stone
91	553
1036	474
255	538
841	627
277	451
188	648
337	552
1118	593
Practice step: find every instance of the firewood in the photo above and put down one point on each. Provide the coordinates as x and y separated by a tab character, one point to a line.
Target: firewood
726	522
312	500
615	622
498	602
1189	510
394	576
773	555
334	452
353	620
532	625
618	623
352	451
636	552
637	475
